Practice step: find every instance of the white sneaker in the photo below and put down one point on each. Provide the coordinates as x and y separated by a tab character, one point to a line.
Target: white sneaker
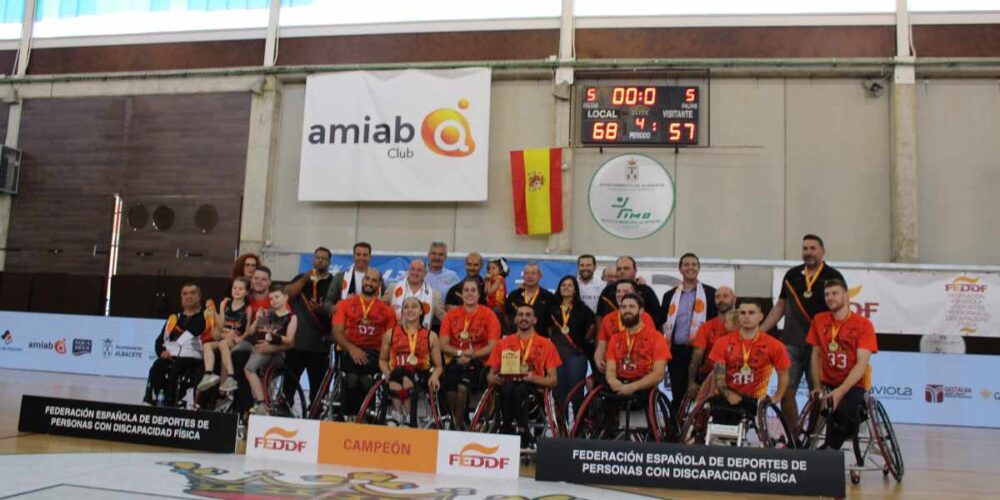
229	385
207	382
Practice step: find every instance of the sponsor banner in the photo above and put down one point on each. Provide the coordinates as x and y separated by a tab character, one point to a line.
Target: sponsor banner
371	446
476	454
411	135
923	303
90	345
709	468
205	431
933	389
296	440
631	196
660	278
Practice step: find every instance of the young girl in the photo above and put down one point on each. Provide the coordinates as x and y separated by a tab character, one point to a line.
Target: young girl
272	333
496	285
409	353
230	329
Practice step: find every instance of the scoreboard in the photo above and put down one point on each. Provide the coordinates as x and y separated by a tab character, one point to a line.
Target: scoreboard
639	115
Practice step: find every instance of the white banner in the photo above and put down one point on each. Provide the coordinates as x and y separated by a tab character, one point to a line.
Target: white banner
409	135
90	345
924	303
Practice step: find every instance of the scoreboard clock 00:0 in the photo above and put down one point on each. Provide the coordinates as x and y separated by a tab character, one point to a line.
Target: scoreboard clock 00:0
639	115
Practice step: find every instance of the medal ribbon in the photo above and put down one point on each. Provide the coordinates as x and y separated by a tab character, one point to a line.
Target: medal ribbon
746	350
526	351
565	315
366	310
630	339
533	297
412	340
315	281
810	281
835	328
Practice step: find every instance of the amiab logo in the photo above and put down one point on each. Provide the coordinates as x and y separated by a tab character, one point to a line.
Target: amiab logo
283	441
477	456
444	131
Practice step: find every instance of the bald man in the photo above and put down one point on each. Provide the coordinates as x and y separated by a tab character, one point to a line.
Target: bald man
712	330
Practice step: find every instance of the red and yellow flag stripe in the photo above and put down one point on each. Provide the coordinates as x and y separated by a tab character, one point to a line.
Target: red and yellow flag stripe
536	178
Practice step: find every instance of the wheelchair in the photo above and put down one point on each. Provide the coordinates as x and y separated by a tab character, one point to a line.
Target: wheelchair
874	445
544	415
583	387
605	415
426	411
763	427
327	402
283	394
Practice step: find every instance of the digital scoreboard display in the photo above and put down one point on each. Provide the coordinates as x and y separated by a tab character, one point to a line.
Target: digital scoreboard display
640	115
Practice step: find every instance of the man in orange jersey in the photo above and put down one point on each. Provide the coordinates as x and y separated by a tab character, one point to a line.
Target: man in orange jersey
537	359
709	332
637	354
744	361
611	322
843	344
359	323
468	335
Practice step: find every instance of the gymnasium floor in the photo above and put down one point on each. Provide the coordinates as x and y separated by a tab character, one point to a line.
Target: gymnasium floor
950	462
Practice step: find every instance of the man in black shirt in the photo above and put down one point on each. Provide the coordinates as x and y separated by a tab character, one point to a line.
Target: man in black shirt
473	267
625	270
178	350
312	298
532	294
801	298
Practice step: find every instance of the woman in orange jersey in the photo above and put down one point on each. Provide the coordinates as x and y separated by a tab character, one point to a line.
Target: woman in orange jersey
410	356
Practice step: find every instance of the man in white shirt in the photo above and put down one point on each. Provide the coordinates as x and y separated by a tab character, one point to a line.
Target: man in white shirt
439	277
590	286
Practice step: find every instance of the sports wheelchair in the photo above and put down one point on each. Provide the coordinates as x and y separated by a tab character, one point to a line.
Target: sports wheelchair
544	415
283	394
759	426
329	397
874	445
426	411
606	415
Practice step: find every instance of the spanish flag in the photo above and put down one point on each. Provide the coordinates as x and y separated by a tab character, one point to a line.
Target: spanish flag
536	176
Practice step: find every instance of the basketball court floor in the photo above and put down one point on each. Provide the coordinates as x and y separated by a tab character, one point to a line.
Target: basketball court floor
941	462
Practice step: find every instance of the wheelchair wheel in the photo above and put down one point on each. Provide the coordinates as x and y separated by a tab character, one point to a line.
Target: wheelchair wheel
549	412
661	422
283	395
566	408
810	425
685	409
885	436
771	428
376	404
695	425
590	422
486	417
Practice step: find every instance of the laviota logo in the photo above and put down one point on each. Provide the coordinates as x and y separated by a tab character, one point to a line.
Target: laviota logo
446	131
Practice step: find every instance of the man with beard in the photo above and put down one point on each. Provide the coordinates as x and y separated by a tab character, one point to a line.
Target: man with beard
311	297
709	333
626	269
590	286
612	322
637	355
358	327
473	266
800	300
842	345
537	365
349	282
260	283
744	361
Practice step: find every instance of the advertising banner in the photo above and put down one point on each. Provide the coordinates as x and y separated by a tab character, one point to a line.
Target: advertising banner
411	135
194	430
90	345
413	450
923	303
709	468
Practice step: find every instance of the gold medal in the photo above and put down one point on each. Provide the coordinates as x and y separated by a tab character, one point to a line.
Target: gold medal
807	294
412	359
524	368
564	330
411	339
811	280
833	346
746	371
626	361
464	335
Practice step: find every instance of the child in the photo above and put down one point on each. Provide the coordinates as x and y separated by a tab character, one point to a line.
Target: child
231	328
272	333
496	285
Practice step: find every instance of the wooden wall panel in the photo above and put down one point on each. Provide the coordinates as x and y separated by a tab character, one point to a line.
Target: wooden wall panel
179	151
966	40
147	57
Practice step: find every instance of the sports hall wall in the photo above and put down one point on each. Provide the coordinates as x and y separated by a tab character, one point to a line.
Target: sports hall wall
792	152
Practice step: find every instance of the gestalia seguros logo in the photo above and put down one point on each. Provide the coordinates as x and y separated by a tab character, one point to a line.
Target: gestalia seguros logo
279	439
445	131
475	455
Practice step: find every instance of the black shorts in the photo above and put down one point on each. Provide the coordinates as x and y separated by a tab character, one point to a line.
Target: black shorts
471	375
419	377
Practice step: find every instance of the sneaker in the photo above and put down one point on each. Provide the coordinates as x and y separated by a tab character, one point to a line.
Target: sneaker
259	409
229	385
207	382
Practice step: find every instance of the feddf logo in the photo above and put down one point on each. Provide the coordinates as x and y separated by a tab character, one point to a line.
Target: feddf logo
280	439
284	439
477	456
467	454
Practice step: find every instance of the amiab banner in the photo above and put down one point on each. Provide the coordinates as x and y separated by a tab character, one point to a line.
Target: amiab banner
410	135
923	303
